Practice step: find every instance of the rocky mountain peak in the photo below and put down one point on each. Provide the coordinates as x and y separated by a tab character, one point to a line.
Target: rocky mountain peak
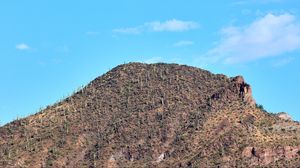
153	115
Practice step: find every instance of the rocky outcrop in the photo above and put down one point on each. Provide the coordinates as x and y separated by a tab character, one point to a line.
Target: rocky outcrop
284	116
238	89
265	156
243	89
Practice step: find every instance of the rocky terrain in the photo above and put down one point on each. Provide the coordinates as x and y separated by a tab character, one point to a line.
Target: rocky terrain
154	115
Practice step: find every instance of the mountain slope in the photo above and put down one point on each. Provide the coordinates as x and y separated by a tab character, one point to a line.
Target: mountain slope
153	115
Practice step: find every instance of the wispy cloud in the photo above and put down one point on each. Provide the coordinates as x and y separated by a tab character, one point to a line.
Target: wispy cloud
245	2
173	25
22	46
282	62
268	36
183	43
131	30
153	60
157	59
92	33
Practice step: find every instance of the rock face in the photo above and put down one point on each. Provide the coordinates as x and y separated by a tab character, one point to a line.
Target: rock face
238	89
284	116
265	156
153	115
244	90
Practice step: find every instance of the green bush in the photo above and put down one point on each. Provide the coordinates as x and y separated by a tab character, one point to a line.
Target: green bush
261	107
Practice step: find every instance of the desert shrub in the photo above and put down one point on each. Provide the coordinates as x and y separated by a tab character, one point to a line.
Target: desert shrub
261	107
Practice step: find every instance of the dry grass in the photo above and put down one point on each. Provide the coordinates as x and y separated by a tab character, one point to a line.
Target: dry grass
136	113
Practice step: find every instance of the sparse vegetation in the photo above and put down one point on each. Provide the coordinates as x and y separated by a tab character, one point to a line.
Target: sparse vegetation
261	107
156	115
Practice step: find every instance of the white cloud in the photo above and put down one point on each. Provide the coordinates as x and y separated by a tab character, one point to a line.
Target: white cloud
245	2
269	36
22	46
183	43
153	60
282	62
92	33
132	30
173	25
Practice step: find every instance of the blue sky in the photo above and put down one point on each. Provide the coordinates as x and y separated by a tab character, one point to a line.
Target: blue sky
48	49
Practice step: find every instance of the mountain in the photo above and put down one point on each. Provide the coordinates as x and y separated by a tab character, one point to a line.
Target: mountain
154	115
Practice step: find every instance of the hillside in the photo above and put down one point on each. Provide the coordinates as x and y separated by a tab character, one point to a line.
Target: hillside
153	115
